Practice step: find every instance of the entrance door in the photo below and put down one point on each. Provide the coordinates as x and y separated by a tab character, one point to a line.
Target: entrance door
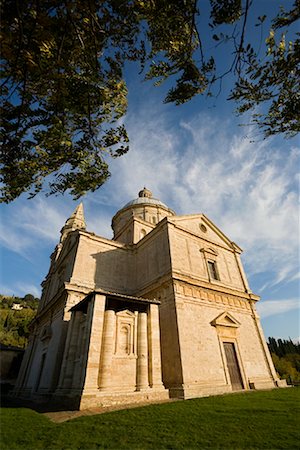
233	367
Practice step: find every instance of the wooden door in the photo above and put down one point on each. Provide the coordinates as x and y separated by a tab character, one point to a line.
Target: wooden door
233	367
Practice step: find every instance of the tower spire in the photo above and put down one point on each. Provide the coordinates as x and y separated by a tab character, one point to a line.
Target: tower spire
75	222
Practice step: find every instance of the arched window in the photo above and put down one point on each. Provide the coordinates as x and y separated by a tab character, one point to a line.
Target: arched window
153	219
143	233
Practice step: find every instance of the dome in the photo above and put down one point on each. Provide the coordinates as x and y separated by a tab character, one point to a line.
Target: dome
145	197
139	217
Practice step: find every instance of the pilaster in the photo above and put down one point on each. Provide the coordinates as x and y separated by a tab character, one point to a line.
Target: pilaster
263	343
66	374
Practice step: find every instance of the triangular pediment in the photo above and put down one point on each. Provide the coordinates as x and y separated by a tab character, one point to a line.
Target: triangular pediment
202	226
125	313
225	320
209	251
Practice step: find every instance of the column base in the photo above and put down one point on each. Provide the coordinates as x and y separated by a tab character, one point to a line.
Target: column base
103	399
282	383
142	388
185	392
258	384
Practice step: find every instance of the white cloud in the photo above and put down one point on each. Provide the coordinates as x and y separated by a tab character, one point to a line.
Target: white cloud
31	224
248	189
13	239
21	289
42	219
273	307
198	165
27	288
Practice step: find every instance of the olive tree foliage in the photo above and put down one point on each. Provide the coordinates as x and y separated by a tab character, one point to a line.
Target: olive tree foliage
63	87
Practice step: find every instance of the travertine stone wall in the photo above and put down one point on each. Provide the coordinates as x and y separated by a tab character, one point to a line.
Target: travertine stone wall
117	268
119	349
103	263
196	223
41	366
201	345
189	255
134	230
170	347
152	259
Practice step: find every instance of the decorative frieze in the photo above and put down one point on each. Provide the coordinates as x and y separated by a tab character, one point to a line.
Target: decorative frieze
201	294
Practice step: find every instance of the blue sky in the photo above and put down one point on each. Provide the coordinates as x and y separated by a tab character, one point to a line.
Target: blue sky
196	158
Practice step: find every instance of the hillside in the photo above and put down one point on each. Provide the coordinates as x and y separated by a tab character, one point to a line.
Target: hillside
286	358
16	313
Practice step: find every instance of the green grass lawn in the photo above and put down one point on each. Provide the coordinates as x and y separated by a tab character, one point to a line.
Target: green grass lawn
253	420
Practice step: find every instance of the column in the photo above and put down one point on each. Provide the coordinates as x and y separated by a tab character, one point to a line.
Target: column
93	338
107	350
142	353
155	375
79	356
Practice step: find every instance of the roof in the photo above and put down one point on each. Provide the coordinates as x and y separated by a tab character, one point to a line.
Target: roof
145	200
115	295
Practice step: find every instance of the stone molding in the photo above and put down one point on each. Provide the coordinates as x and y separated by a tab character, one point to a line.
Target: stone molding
192	293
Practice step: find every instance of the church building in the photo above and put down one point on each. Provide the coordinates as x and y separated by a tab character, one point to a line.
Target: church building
163	310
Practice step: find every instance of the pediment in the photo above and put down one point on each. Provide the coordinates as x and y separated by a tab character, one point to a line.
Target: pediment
125	313
203	227
225	320
209	251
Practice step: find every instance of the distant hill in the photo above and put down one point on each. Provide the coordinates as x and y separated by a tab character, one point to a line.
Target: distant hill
16	313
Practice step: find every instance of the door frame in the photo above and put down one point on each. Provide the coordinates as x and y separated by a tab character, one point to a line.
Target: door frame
236	365
233	341
227	330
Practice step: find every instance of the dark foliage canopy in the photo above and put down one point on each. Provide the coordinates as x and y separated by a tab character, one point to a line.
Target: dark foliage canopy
15	323
63	85
282	347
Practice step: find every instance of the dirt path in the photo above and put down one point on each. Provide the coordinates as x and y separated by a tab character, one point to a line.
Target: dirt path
62	416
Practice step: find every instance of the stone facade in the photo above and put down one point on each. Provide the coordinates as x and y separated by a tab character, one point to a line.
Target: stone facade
163	309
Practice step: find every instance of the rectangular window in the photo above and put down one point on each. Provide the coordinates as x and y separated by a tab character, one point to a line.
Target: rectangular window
213	272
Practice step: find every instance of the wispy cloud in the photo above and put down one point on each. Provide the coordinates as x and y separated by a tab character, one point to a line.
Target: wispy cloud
21	289
273	307
249	190
42	219
13	238
28	225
